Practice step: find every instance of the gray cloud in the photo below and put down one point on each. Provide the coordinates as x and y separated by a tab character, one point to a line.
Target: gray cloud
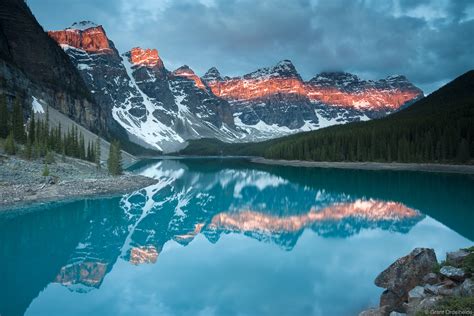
430	42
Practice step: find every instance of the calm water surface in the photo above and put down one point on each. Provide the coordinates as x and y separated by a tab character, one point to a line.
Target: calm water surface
226	237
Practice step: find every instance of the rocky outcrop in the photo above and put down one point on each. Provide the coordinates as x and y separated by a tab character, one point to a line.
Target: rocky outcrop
406	272
84	35
412	286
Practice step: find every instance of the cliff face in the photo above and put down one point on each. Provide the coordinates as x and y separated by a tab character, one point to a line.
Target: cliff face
32	64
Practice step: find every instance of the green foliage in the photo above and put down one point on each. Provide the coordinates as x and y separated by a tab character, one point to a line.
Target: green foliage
114	163
32	128
97	153
49	159
28	153
468	263
457	304
4	117
18	126
438	266
45	170
10	146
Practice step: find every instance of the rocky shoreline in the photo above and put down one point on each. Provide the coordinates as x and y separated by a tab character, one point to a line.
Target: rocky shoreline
22	182
417	284
395	166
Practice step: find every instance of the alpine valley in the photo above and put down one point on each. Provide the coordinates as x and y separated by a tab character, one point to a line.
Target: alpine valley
162	109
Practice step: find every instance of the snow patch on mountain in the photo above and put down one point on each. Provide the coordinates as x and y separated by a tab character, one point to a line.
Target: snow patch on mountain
37	107
147	128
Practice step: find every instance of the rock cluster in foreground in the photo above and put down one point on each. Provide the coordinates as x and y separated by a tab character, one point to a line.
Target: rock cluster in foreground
418	285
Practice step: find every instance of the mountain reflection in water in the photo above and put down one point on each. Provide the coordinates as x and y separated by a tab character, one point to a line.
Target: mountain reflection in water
77	244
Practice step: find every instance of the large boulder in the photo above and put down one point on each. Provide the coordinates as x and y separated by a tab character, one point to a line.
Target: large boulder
456	274
467	288
456	258
406	273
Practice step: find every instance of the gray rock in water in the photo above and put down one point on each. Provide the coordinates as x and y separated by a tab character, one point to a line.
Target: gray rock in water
397	314
467	288
407	272
453	273
455	258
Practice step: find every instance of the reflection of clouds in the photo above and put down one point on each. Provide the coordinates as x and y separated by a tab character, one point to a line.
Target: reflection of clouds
370	210
252	178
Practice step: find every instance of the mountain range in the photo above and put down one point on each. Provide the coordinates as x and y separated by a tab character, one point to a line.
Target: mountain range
163	109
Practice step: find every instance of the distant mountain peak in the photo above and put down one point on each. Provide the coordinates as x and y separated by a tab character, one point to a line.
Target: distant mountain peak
145	57
82	25
186	72
212	75
284	68
85	35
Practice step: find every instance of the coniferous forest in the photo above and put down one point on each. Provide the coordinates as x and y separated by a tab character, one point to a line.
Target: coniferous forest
437	129
38	139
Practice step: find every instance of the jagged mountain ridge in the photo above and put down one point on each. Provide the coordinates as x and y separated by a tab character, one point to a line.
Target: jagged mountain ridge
163	109
158	108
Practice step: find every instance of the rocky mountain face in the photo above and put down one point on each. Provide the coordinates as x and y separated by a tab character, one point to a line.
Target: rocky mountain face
277	97
163	109
33	66
158	108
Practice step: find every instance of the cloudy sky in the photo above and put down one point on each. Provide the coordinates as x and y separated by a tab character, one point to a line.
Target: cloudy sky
431	42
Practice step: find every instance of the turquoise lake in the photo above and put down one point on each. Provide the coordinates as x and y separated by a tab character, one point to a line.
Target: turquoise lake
228	237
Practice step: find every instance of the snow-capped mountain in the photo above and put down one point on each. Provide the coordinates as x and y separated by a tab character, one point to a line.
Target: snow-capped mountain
277	97
163	109
158	108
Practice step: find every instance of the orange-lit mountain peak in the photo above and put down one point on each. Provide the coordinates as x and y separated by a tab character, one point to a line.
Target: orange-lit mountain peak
188	73
145	57
86	36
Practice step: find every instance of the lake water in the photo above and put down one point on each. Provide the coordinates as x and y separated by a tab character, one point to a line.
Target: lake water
227	237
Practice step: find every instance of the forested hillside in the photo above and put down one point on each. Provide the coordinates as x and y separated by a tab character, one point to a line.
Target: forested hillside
438	128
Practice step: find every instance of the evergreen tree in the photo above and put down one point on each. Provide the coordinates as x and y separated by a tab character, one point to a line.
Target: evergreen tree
10	146
49	159
18	127
97	153
29	149
32	128
4	117
45	170
114	163
82	150
463	151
